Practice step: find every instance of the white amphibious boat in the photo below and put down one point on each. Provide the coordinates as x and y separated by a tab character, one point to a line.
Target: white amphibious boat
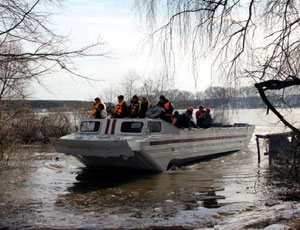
148	144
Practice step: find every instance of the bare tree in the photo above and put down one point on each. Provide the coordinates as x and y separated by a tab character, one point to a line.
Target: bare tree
258	40
29	48
131	84
165	82
110	93
148	87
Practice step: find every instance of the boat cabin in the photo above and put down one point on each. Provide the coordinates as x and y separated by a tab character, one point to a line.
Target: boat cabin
126	126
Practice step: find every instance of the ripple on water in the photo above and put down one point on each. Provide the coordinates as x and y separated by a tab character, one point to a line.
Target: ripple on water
59	192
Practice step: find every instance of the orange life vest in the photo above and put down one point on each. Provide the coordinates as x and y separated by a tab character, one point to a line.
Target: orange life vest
118	108
96	107
167	107
174	121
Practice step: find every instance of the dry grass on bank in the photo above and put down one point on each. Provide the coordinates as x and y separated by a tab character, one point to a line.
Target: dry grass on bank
23	126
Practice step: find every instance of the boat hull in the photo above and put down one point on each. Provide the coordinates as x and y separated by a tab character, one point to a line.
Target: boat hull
158	152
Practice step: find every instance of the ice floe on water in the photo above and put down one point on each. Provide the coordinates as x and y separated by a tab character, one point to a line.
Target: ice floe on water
239	216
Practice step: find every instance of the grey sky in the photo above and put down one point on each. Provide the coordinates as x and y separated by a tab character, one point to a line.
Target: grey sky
114	22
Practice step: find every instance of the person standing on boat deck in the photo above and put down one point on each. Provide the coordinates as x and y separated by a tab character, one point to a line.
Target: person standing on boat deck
144	106
98	107
168	107
121	110
134	107
199	112
184	120
205	120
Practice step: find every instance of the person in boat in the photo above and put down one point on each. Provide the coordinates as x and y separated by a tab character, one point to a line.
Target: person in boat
192	109
199	112
175	117
168	107
98	107
184	120
134	107
192	123
143	107
121	109
205	120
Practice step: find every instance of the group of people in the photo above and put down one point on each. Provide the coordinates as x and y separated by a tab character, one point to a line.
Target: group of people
138	109
185	120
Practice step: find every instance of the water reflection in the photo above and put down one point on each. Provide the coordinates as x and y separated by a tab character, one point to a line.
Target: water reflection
140	199
92	180
187	188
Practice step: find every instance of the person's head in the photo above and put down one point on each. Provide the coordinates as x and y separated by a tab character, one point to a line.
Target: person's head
97	100
121	98
188	113
207	110
201	108
176	113
162	98
135	98
144	100
191	108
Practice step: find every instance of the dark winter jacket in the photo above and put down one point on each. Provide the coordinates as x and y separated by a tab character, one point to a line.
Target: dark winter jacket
205	121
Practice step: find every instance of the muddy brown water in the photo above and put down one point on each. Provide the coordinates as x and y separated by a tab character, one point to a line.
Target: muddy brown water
54	191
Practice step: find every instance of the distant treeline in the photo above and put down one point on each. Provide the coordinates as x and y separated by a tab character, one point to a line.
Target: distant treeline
238	102
241	102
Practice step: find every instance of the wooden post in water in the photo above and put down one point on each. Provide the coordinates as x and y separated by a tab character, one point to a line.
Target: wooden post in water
258	149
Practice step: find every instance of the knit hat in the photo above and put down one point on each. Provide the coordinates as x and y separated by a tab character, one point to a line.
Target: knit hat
162	97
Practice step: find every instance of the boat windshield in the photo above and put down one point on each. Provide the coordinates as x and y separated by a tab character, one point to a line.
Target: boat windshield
89	126
132	127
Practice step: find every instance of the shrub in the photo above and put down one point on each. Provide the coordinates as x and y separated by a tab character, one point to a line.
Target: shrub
23	126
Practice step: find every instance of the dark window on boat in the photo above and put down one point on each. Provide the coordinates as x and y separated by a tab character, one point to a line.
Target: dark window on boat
154	127
89	126
132	127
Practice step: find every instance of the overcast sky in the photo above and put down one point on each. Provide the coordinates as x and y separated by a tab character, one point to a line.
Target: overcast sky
84	21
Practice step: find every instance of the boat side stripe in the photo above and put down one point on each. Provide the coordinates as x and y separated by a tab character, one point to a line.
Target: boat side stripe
174	141
113	126
107	126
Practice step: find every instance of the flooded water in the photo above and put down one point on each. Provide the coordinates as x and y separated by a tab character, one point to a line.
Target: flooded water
55	191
